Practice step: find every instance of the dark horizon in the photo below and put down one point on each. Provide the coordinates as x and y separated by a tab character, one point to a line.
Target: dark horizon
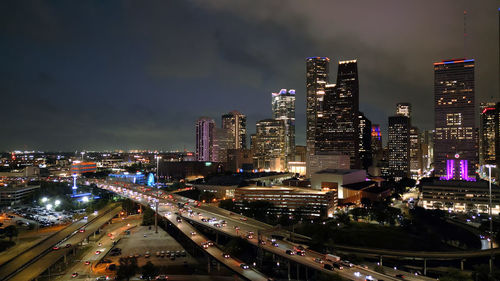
122	75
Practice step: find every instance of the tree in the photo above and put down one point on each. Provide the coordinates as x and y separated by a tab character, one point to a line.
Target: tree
344	218
235	246
129	206
11	231
227	204
454	275
148	217
366	202
128	267
149	270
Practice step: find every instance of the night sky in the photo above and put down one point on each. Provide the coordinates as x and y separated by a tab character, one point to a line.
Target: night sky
105	75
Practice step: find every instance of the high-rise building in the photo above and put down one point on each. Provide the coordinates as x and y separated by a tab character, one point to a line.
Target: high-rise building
221	143
338	122
205	130
283	105
317	69
236	124
455	148
377	148
487	133
427	142
269	145
403	109
416	161
365	141
399	147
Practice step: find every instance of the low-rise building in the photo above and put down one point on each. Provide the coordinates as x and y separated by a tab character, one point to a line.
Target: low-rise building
11	195
355	192
460	196
336	178
314	202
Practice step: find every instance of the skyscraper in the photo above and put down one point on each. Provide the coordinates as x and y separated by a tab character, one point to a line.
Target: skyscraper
416	161
365	141
377	148
269	145
221	142
487	133
235	123
427	142
399	146
403	109
455	152
283	105
317	69
205	130
344	107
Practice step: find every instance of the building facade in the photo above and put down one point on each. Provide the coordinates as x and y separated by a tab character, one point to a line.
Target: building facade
317	69
283	106
487	133
416	161
269	146
365	141
399	147
455	148
236	125
205	131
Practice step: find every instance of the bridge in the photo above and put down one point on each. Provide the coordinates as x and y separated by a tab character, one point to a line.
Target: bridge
34	261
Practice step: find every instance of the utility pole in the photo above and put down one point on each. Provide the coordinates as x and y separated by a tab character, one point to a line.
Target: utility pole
156	216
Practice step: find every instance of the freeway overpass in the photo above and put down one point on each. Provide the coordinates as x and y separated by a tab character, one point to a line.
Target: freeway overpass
34	261
142	195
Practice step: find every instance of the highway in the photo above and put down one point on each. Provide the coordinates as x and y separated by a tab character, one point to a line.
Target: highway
11	266
44	261
167	203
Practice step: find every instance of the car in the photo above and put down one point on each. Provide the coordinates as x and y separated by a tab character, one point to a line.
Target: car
301	252
243	219
204	220
275	244
158	254
210	243
262	242
347	263
193	233
290	252
87	262
249	236
204	245
318	260
364	266
244	266
97	252
81	230
236	227
179	220
100	244
161	277
401	276
357	274
338	266
172	257
67	245
147	255
55	248
101	278
217	225
226	256
137	255
183	253
369	277
327	266
74	275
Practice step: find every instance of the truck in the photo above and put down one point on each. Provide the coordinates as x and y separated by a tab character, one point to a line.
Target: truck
332	258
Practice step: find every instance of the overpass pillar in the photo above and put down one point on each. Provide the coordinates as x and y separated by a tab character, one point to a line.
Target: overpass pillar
289	264
380	261
298	271
208	264
65	260
425	266
216	237
462	264
156	216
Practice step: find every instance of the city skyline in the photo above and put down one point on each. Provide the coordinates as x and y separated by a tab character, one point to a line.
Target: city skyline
71	86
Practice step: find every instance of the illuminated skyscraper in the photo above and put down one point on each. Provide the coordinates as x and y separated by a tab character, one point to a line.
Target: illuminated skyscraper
236	124
427	142
205	130
377	148
283	105
399	146
317	69
221	143
416	161
365	141
487	133
403	109
268	145
455	148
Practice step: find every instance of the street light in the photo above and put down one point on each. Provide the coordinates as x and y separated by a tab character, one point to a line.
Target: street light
491	216
57	202
44	199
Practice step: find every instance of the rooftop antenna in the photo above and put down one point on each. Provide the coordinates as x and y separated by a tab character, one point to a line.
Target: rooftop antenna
465	33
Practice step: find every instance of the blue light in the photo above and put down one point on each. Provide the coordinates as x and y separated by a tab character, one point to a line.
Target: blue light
471	59
151	179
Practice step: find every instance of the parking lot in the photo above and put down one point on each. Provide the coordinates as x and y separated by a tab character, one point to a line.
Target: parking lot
26	216
162	249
